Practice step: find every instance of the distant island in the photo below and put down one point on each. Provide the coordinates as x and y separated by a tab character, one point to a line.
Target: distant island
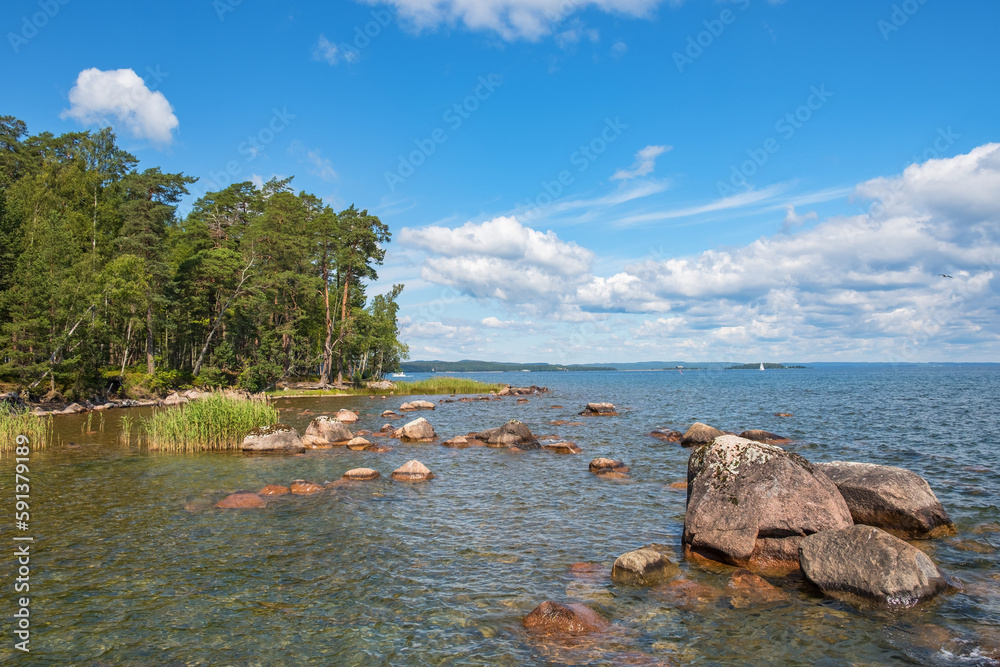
754	367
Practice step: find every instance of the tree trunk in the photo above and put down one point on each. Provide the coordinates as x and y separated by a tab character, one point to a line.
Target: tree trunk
150	361
328	343
343	329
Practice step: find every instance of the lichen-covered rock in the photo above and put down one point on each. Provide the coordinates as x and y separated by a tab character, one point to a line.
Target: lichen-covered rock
278	438
563	447
418	430
642	567
866	566
241	500
758	435
417	405
300	487
511	434
750	504
699	434
604	466
362	474
896	500
599	410
412	471
346	416
274	490
324	431
573	619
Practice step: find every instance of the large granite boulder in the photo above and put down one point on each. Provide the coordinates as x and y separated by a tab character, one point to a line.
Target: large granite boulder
417	405
511	434
699	434
418	430
573	619
599	410
324	431
750	504
642	567
278	438
866	566
894	499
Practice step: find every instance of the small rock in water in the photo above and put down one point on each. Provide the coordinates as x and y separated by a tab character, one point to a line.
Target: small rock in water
276	438
554	618
680	486
417	405
389	414
667	435
511	434
241	500
362	474
608	467
418	430
274	490
783	414
866	566
412	471
599	410
358	444
563	448
699	434
642	567
346	416
300	487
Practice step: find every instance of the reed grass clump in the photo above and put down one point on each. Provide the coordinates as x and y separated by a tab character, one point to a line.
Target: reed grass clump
434	385
37	429
210	423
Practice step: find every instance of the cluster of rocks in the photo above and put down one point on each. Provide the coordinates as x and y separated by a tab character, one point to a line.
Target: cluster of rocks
508	390
754	505
54	404
411	471
599	410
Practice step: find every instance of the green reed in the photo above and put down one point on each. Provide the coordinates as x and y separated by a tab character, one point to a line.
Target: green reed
434	385
38	430
210	423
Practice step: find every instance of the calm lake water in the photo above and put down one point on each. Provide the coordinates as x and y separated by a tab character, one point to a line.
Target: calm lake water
133	566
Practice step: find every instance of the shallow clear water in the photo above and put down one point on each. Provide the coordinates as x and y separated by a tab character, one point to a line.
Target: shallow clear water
133	565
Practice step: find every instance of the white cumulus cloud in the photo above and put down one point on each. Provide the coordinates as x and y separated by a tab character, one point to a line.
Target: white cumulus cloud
120	98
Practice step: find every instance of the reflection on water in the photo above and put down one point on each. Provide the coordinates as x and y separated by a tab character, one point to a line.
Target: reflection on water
134	565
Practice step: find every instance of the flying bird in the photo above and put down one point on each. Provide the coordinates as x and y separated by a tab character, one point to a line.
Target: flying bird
944	275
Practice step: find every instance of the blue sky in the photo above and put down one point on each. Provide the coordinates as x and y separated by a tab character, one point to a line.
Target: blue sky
577	181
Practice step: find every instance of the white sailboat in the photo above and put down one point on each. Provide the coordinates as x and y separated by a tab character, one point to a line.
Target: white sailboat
762	366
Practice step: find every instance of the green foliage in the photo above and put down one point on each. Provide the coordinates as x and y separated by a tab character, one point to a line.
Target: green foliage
213	422
99	277
38	430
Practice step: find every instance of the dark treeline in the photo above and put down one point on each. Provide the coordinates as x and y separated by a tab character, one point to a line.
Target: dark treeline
103	285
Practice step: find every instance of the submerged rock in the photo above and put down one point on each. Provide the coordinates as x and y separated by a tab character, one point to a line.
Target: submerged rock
563	447
750	504
699	434
748	589
417	405
511	434
389	414
274	490
241	500
608	467
412	471
599	410
300	487
758	435
667	435
867	566
894	499
278	438
642	567
324	431
418	430
362	474
463	441
554	618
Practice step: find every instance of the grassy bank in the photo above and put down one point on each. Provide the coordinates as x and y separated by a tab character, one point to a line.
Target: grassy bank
37	429
434	385
212	422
